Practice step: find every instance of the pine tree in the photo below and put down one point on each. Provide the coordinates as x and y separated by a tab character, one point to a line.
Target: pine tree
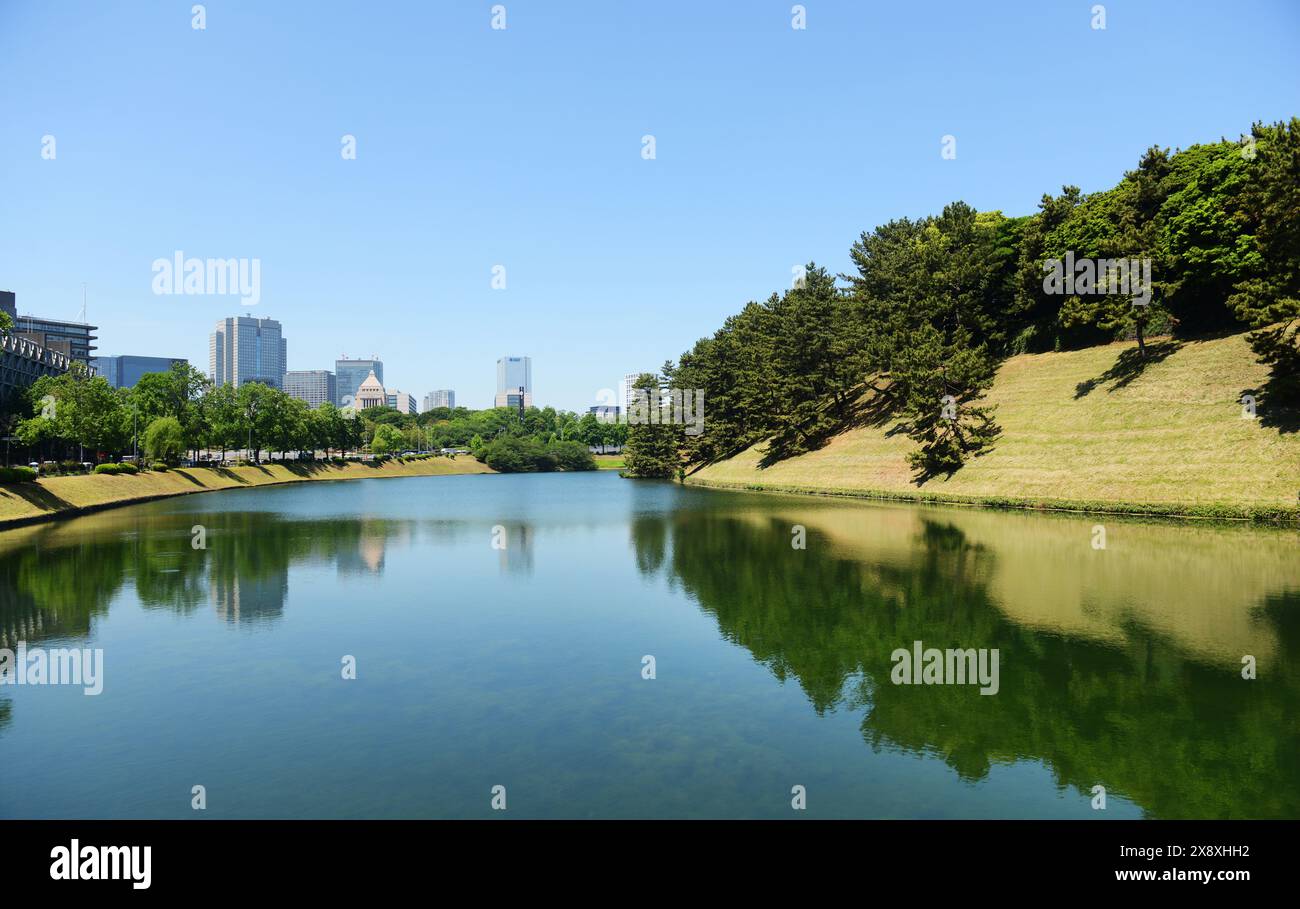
653	448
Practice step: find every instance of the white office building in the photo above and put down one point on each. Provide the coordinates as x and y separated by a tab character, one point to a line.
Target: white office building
442	397
514	381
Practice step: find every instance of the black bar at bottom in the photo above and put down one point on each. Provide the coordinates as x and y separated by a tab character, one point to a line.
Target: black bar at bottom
333	858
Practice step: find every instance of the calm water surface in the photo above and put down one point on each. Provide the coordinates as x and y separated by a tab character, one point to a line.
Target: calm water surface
523	666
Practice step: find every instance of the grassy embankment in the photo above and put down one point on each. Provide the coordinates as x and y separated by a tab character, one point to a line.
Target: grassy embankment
609	462
1082	430
22	503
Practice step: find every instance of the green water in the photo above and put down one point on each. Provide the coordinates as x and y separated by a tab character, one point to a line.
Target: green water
523	666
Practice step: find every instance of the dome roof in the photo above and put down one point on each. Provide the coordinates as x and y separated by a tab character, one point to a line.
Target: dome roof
372	385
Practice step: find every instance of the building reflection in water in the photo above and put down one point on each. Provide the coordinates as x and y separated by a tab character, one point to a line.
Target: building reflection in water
240	601
517	556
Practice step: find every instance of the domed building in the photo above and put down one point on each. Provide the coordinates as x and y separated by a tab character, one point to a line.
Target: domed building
370	394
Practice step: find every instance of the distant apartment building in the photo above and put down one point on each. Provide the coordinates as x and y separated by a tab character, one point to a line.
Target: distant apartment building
514	380
402	402
315	386
442	397
9	304
606	413
72	339
349	374
246	349
125	370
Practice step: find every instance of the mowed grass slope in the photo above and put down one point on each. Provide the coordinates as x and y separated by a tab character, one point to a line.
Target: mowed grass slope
24	502
1077	432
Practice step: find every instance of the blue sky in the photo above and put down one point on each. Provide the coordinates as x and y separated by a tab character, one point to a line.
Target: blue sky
479	147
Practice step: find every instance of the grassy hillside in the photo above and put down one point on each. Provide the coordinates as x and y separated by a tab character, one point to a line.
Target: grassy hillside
24	502
1081	430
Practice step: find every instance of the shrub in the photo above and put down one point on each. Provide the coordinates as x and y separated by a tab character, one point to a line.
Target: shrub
513	454
127	468
107	468
573	456
17	474
157	465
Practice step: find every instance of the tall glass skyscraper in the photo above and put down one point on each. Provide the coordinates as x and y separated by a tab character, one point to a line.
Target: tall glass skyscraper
349	374
243	349
125	371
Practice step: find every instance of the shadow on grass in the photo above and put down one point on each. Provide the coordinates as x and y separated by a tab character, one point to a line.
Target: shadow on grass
35	495
871	407
228	474
1129	366
1277	402
309	468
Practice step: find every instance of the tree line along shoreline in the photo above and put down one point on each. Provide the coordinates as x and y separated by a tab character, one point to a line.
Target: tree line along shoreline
77	420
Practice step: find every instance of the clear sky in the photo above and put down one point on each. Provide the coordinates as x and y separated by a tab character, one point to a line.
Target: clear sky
522	147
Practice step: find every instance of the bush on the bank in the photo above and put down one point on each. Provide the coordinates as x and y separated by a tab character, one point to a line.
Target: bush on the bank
158	465
117	469
17	474
524	454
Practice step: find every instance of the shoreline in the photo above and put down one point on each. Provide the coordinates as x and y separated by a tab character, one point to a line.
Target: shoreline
57	498
1280	515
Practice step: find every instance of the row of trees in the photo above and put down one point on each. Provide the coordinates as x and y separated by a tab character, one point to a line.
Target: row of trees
539	439
917	332
170	413
459	427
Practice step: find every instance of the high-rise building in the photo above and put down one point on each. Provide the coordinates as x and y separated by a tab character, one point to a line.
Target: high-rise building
124	371
605	413
245	349
442	397
72	339
315	386
402	402
24	357
514	379
626	387
349	374
370	394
